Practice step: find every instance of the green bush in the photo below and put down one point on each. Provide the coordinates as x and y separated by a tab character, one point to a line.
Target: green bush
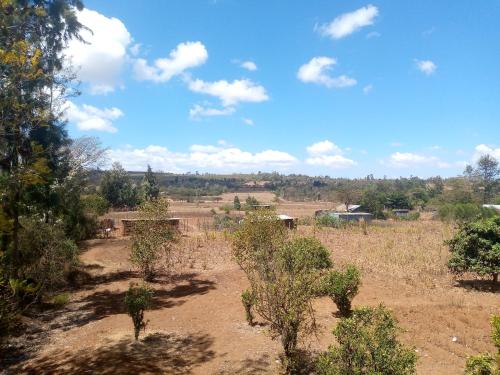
342	287
248	300
224	222
367	344
486	364
95	204
330	221
137	300
9	315
61	299
476	248
463	212
48	255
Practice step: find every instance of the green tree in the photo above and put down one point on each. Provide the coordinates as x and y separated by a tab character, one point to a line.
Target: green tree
236	203
342	287
137	300
484	176
117	187
486	363
150	185
367	344
476	248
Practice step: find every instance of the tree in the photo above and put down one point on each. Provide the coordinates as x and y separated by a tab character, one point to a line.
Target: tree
150	185
284	277
117	187
32	137
137	300
342	287
348	194
476	248
152	237
237	203
484	176
398	199
367	344
373	201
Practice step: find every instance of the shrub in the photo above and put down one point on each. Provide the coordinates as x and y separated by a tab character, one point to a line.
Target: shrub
330	221
476	248
248	300
367	344
48	256
137	300
61	299
342	287
486	364
152	238
8	311
463	212
222	222
284	277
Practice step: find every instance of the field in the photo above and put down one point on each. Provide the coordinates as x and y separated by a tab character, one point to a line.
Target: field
197	324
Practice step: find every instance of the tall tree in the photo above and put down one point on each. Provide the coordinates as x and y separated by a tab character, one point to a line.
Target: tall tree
484	176
150	185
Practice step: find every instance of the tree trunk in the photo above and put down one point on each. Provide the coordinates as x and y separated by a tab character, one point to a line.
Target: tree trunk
495	277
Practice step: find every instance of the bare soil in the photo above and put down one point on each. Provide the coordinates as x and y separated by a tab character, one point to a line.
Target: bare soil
197	324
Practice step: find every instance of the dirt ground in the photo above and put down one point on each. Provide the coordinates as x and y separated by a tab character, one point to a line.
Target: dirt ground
197	325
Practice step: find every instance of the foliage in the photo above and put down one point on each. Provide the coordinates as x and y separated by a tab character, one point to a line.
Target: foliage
367	344
486	364
398	199
284	278
61	299
248	300
250	203
8	311
150	186
342	287
463	212
224	222
137	300
476	248
330	221
236	203
484	177
48	255
117	187
95	204
152	237
373	201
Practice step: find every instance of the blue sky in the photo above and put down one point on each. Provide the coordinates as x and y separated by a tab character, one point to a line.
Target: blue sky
342	88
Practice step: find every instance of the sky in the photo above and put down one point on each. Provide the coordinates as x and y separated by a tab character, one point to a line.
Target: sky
337	88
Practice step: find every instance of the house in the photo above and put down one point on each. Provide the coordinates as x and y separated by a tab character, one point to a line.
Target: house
353	216
350	208
261	206
401	212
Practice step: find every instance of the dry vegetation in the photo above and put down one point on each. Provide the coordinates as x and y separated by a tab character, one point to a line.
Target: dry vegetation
197	323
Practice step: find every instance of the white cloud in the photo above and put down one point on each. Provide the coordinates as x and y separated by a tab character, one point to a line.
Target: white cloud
249	65
327	154
331	161
230	93
427	67
185	56
324	147
348	23
316	71
202	157
367	89
87	117
409	159
482	149
135	49
101	61
247	121
198	111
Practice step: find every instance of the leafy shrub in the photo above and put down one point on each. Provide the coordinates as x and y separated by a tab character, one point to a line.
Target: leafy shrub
485	364
463	212
137	300
330	221
367	344
226	208
476	248
61	299
223	222
47	255
248	300
152	238
342	287
95	204
8	311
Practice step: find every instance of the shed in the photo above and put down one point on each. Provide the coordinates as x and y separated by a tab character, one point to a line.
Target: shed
353	216
350	208
493	206
290	222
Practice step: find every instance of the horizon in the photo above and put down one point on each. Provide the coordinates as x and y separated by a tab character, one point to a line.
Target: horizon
344	90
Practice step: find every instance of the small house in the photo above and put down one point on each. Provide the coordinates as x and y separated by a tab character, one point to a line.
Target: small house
353	216
290	222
